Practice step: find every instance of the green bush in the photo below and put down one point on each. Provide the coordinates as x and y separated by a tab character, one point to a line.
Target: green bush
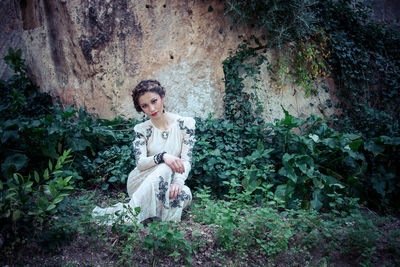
305	160
364	56
31	205
33	130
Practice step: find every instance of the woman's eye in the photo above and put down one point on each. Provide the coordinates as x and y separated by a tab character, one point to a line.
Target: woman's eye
154	101
144	106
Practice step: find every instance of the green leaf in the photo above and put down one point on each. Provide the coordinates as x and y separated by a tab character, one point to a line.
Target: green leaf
314	137
394	141
373	147
53	190
58	200
280	192
46	174
379	186
13	163
51	207
42	203
289	173
78	144
137	210
330	142
316	203
16	215
7	135
105	186
10	195
66	180
351	136
37	177
355	144
113	179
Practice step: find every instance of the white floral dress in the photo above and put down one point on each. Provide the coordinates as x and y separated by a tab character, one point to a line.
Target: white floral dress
148	184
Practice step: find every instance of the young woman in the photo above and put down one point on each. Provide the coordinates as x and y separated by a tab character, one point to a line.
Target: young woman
163	151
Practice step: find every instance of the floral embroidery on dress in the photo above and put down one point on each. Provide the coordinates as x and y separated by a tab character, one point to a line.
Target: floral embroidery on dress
163	188
190	132
137	143
149	131
189	138
176	203
189	152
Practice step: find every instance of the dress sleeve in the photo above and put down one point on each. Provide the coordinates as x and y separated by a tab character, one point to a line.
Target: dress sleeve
143	162
188	126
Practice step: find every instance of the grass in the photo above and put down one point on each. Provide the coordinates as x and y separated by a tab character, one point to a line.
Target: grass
227	232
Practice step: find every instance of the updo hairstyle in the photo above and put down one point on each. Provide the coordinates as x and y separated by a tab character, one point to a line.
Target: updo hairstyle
144	87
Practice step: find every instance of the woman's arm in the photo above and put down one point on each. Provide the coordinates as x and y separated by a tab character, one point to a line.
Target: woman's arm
143	162
187	147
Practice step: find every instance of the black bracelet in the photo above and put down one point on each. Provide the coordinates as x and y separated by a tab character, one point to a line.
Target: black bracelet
158	158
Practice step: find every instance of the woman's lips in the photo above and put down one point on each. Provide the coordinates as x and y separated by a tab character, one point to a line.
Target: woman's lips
154	114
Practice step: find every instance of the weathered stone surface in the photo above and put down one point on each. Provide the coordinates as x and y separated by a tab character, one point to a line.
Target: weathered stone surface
291	97
91	53
10	33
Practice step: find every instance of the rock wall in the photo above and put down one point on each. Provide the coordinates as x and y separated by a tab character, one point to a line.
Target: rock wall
10	33
91	53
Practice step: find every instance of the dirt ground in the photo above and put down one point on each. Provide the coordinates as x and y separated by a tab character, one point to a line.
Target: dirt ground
99	250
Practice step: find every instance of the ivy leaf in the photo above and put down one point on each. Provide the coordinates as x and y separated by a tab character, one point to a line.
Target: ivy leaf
78	144
288	172
314	137
373	147
105	186
394	141
113	179
316	203
280	192
13	164
7	135
355	144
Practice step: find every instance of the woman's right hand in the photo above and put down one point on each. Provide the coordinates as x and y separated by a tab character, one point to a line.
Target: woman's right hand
175	163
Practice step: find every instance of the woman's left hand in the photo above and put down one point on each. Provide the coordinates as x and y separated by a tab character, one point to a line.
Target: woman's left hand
174	190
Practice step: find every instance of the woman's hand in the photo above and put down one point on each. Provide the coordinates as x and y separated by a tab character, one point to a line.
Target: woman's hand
174	190
175	163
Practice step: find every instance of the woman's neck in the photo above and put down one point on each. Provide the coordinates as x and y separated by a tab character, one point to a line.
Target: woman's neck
162	122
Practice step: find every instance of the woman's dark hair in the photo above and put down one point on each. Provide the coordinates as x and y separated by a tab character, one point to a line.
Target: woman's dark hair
144	87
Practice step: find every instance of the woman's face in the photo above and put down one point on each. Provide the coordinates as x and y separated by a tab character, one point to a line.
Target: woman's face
152	104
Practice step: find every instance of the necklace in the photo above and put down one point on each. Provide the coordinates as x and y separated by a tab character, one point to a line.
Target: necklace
164	134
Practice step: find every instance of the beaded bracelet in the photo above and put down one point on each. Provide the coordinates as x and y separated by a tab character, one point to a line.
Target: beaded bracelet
158	158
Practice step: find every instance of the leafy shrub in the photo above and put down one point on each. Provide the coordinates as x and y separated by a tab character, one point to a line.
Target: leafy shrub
30	205
254	232
223	151
306	161
37	130
165	239
315	161
113	165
